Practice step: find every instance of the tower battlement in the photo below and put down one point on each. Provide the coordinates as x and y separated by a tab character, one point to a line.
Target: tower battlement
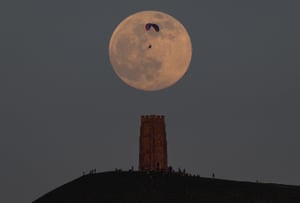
151	118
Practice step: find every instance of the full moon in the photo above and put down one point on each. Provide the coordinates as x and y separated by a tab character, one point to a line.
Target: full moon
149	59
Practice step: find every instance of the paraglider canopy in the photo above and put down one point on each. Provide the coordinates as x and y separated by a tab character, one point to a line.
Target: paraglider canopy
149	25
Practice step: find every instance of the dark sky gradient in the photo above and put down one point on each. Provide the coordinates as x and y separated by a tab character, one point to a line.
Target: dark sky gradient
64	111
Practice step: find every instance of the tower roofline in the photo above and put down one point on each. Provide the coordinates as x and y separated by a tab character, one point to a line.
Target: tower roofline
152	117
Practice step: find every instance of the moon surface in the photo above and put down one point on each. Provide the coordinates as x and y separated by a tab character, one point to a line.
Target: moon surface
150	60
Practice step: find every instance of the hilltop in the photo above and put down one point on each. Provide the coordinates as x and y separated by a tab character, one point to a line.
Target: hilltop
144	187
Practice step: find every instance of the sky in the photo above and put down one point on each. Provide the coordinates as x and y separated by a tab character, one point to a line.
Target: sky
63	110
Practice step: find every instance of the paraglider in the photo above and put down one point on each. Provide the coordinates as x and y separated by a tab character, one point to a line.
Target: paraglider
148	27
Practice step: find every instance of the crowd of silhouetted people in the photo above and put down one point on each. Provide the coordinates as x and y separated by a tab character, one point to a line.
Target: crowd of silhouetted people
170	170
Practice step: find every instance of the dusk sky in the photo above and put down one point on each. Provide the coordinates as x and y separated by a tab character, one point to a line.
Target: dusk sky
64	111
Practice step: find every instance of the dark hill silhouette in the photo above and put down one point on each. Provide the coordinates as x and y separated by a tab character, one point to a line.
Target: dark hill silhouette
143	187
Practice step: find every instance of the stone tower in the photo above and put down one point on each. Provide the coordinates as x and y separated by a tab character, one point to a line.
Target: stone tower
153	144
